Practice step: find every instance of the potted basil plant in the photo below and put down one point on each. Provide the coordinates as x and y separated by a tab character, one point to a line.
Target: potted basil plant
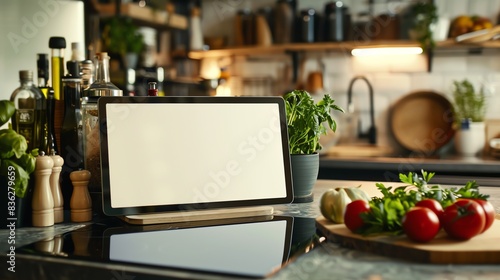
469	112
16	165
306	122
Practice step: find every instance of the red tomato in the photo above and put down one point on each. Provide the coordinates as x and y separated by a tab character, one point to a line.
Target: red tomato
352	218
421	224
489	212
432	204
464	219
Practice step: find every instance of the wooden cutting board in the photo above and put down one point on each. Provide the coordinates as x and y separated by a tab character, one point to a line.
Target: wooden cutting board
481	249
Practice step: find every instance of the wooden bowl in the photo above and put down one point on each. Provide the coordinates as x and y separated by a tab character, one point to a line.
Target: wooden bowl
422	121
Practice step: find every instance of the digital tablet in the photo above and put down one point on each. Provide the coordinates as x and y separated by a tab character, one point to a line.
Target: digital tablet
179	154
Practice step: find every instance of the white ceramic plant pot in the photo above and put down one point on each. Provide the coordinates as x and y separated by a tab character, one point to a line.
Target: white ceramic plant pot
470	139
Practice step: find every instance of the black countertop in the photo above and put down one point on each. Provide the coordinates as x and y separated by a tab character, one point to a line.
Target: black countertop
449	169
315	257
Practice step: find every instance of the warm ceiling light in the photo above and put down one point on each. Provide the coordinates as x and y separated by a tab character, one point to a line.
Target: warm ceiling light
386	51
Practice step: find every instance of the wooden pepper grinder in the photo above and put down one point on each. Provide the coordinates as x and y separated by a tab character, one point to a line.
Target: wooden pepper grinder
80	203
43	202
55	186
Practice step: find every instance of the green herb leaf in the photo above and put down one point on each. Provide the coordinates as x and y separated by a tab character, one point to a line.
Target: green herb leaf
21	177
7	110
12	144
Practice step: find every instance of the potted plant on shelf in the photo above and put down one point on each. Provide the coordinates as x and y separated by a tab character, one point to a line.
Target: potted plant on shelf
121	36
423	16
306	122
469	112
16	165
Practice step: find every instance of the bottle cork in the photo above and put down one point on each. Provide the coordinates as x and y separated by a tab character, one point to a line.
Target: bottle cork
43	202
55	187
80	203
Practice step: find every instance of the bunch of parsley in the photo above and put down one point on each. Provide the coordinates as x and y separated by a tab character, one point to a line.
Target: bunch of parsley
388	211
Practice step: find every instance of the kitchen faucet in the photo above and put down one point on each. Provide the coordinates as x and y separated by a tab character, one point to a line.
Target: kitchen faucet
372	131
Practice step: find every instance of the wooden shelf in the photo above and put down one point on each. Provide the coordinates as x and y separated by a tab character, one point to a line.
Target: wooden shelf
297	47
451	44
449	47
144	15
335	47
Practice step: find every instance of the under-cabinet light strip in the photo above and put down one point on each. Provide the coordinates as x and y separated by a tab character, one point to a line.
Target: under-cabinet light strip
387	51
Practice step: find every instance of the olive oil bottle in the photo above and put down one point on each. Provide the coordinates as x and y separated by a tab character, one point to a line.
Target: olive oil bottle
30	117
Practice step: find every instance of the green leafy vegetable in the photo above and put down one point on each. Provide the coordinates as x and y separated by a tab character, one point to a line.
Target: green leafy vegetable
388	211
7	109
305	120
12	144
14	159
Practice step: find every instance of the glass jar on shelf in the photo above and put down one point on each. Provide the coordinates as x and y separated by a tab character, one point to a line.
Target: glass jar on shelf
102	86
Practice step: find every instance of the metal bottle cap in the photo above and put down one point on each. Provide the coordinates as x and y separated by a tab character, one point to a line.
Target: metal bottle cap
26	75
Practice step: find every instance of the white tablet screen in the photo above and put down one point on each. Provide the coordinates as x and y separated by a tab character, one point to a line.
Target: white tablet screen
190	153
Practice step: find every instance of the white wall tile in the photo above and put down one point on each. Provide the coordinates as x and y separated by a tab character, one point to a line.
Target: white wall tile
369	65
448	64
391	85
478	63
337	64
442	7
427	81
494	10
410	63
492	111
479	8
457	7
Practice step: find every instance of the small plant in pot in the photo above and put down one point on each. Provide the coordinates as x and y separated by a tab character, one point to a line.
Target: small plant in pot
122	37
469	113
307	121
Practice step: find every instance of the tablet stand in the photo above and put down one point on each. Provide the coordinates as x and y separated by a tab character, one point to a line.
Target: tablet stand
198	215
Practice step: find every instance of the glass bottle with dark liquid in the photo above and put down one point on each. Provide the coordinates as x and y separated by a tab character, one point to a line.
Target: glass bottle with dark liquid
48	92
71	138
30	117
71	148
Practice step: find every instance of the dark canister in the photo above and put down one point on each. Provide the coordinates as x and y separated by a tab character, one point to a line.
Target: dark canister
307	23
337	21
284	18
244	28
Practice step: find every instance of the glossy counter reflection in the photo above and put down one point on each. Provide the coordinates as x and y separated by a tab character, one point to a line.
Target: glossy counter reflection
255	247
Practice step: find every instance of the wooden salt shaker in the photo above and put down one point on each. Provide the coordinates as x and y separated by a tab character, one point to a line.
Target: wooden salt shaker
55	186
43	202
80	203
